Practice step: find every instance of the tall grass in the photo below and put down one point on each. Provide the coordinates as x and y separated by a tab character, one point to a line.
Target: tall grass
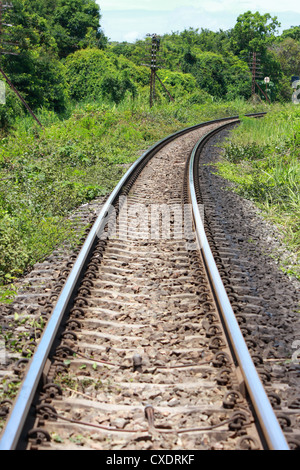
263	159
45	173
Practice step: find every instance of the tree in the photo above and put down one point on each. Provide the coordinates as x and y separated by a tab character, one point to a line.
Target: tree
208	69
293	32
253	32
72	21
114	87
288	54
95	74
46	31
36	71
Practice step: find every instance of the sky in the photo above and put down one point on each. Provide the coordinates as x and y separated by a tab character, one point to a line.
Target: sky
129	20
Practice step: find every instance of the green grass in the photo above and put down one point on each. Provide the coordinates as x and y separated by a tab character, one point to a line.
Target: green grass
46	173
263	159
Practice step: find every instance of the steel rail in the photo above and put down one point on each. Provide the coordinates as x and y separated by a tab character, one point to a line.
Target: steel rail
271	429
18	416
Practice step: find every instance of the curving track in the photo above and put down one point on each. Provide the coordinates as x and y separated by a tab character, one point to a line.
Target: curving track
142	349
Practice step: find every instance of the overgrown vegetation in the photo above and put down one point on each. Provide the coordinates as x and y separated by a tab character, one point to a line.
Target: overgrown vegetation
263	159
44	174
92	98
63	56
220	61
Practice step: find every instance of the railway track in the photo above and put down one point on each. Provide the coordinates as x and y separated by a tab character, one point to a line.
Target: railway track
142	349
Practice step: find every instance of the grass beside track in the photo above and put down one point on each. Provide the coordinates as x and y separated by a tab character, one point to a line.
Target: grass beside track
45	173
262	158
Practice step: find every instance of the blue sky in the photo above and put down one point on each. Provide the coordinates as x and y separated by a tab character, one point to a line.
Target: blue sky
128	20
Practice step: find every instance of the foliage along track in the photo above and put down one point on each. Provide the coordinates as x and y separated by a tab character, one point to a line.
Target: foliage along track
142	361
265	300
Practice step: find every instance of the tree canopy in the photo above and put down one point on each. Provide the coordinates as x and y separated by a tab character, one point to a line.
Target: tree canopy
71	24
47	31
253	32
63	55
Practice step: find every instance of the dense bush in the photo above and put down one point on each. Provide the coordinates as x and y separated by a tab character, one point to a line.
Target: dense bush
114	87
10	111
44	174
93	74
85	71
199	97
263	160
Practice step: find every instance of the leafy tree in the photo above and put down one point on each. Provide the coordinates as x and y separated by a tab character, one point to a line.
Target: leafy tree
177	83
35	71
92	73
47	30
253	32
123	48
237	78
114	87
72	21
138	74
209	72
85	70
288	54
285	62
293	32
207	40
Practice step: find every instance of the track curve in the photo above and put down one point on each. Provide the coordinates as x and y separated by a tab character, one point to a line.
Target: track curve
134	354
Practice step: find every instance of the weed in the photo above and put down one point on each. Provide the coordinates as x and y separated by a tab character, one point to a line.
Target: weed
262	158
46	173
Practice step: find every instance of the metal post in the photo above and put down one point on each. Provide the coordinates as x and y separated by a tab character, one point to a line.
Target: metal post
253	73
153	69
265	95
165	88
155	46
151	88
1	9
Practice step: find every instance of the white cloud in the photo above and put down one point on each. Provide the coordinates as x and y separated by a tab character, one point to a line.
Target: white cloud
129	25
270	6
209	6
131	36
132	25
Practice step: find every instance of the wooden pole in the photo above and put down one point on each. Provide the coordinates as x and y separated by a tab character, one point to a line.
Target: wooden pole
171	97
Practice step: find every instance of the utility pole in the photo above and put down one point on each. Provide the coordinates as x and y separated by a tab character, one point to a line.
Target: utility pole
155	47
255	68
3	8
154	51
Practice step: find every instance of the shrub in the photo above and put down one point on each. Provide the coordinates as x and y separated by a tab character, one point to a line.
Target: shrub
92	74
114	88
10	111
